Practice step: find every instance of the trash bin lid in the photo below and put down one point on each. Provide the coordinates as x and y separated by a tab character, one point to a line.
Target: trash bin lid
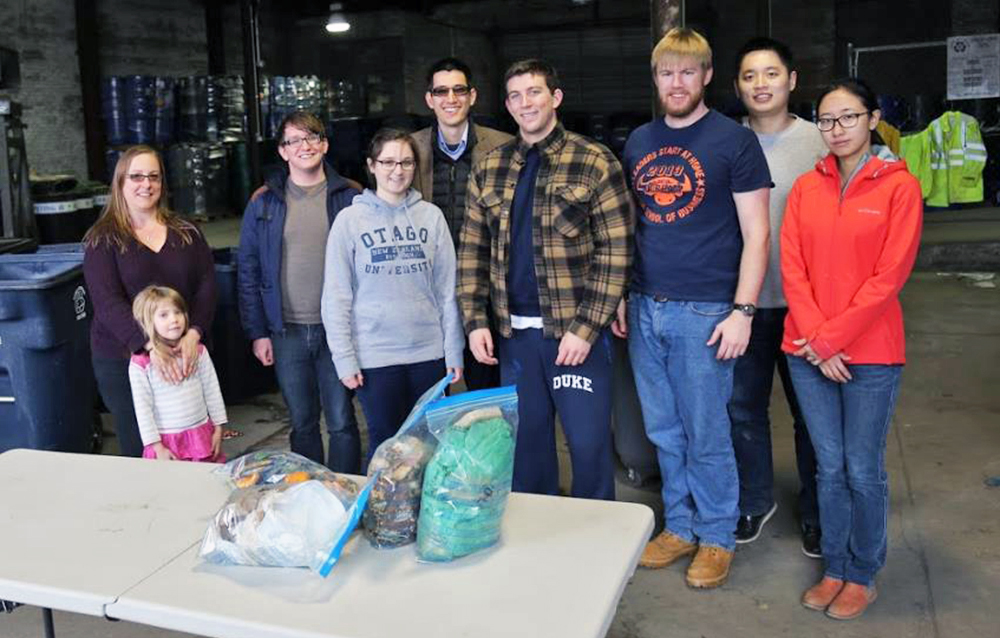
18	245
37	271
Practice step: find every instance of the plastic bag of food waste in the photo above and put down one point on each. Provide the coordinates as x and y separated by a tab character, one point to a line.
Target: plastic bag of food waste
284	511
468	479
397	473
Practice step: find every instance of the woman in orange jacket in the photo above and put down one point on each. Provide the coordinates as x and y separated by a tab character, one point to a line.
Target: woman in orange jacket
848	243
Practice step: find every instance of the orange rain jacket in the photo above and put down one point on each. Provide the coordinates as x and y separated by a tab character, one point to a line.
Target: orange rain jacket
845	256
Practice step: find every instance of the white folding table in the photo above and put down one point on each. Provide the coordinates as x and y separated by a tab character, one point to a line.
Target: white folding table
559	570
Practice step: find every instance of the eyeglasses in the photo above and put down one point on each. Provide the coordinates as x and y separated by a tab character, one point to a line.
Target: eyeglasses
847	120
460	90
390	165
295	142
138	178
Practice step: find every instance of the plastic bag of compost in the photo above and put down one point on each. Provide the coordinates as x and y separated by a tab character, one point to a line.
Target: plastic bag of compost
468	479
284	511
397	474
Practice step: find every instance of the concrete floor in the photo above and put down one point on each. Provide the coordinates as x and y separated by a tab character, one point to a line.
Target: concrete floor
943	567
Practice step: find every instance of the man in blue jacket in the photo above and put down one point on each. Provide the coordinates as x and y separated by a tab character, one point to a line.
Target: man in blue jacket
280	280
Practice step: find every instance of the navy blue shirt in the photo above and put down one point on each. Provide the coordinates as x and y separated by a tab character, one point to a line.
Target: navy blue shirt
522	285
688	241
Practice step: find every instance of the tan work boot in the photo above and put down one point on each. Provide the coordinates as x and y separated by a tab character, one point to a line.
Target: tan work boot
852	601
665	549
710	567
820	595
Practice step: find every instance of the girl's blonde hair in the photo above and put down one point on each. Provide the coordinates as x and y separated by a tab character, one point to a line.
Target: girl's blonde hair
144	309
114	225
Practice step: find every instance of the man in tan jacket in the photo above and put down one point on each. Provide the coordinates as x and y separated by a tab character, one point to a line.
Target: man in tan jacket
446	152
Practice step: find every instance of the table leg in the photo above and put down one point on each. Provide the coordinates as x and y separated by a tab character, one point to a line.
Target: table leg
50	630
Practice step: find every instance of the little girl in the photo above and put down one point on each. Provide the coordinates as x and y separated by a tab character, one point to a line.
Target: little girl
176	421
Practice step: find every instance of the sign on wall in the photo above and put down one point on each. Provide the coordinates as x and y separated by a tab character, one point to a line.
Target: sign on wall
974	66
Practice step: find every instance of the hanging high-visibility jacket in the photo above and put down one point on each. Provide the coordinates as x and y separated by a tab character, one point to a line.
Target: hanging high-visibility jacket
915	150
890	135
957	158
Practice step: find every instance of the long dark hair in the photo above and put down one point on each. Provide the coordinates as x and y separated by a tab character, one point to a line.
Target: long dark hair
859	89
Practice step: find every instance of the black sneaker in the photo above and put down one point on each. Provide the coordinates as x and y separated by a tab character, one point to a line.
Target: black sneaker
748	527
811	536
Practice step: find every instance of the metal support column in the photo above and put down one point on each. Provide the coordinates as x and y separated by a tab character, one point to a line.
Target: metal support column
215	30
251	85
90	82
664	16
17	218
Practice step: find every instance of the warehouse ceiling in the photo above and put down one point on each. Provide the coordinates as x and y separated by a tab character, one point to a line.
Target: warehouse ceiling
485	15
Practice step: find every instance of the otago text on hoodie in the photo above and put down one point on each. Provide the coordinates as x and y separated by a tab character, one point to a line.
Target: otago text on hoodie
389	286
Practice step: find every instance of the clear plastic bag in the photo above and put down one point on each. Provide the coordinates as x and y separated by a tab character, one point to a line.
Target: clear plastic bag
397	473
285	511
468	479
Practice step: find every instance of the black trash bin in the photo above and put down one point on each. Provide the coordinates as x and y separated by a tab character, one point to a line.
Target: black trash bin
633	448
46	379
241	375
18	245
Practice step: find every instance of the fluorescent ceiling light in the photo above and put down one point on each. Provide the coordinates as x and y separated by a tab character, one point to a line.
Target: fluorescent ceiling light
338	21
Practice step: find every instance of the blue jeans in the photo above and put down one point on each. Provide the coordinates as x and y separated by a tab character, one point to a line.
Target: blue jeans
848	424
753	378
684	390
308	379
389	394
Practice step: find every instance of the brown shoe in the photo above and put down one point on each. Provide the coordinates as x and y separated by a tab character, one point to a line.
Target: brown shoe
710	567
851	602
665	549
820	595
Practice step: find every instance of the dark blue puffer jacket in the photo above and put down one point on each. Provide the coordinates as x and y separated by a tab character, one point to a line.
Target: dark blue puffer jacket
258	271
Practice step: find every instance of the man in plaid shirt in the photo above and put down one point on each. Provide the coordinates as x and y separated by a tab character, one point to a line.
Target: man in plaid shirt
547	243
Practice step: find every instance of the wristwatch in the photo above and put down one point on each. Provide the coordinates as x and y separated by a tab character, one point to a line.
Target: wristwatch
747	309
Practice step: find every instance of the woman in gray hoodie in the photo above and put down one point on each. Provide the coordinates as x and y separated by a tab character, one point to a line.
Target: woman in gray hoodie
389	306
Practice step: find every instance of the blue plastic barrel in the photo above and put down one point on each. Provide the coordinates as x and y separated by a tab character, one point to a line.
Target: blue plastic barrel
46	379
165	111
113	110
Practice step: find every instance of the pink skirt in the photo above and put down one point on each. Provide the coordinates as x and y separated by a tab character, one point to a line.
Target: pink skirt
193	444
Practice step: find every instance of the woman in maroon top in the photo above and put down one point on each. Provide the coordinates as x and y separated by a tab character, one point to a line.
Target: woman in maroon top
135	243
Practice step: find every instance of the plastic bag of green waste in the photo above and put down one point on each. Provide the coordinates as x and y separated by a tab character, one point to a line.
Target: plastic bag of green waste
468	479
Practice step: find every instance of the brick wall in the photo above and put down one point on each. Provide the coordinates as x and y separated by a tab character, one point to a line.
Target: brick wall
43	32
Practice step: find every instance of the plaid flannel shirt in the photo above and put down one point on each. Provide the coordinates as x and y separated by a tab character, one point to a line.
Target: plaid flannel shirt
582	229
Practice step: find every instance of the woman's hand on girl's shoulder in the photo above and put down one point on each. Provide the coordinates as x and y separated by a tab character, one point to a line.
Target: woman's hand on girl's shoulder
167	365
188	351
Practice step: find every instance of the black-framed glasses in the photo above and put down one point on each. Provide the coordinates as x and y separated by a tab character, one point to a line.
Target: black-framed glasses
847	120
390	165
138	178
295	142
460	90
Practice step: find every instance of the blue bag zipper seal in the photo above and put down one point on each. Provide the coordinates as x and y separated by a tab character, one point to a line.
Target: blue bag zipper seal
354	515
472	398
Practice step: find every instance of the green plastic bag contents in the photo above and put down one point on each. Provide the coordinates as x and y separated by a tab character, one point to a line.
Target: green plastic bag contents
468	478
396	472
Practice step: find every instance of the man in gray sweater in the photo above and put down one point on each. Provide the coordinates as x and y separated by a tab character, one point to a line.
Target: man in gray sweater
764	82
